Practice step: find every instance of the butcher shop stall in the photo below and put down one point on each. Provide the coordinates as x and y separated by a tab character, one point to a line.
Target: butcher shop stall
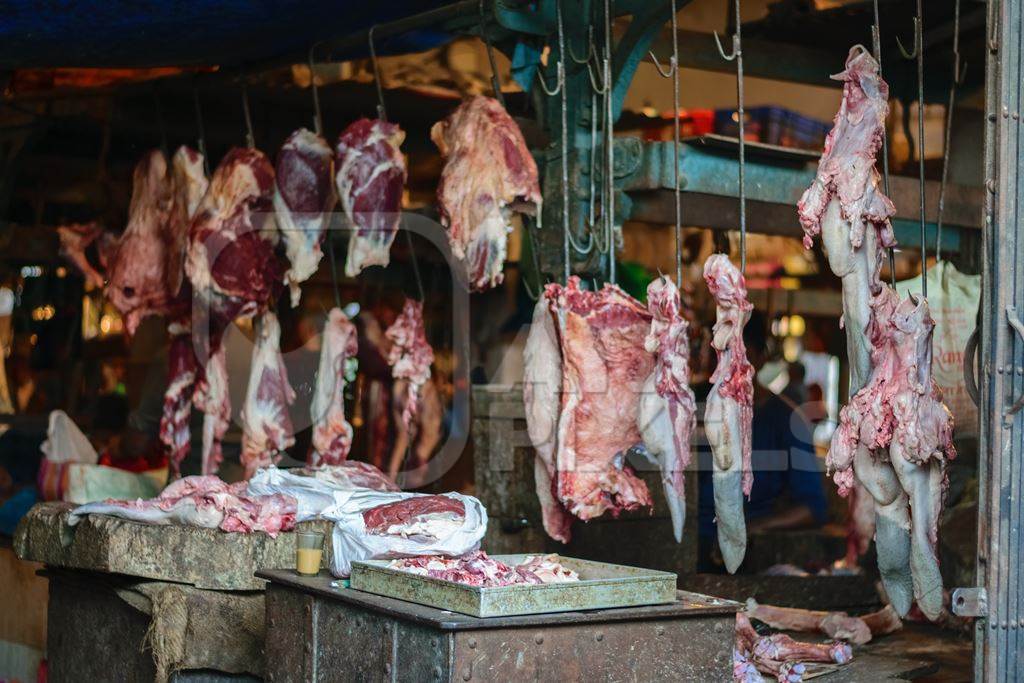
507	340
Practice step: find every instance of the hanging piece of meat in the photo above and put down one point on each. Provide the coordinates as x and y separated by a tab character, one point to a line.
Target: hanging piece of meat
231	262
188	185
181	372
410	357
370	178
234	273
668	409
847	208
900	410
727	418
75	240
139	284
604	367
213	398
542	392
266	424
332	434
303	199
488	176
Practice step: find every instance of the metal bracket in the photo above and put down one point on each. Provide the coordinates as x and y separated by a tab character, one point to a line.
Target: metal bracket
970	366
1016	324
970	602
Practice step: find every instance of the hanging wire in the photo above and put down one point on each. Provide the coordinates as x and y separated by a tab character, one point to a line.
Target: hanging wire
918	53
609	124
250	138
673	73
415	265
958	78
334	269
566	199
160	121
318	122
876	44
382	113
534	294
495	81
737	55
201	129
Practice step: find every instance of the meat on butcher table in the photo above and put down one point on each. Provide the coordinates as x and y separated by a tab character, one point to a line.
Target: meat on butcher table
729	411
370	177
488	176
303	199
585	370
266	425
332	433
668	409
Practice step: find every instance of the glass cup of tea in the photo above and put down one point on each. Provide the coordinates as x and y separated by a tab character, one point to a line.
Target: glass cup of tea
309	549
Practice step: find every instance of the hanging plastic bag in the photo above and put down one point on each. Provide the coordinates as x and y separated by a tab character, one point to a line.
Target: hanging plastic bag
65	442
953	299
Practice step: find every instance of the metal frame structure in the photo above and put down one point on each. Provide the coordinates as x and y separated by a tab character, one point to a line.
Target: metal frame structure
998	600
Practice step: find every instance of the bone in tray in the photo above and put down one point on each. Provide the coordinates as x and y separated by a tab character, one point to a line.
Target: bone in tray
600	586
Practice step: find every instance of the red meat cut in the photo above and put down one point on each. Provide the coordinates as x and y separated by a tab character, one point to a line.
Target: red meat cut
378	520
370	177
604	366
303	199
488	176
231	262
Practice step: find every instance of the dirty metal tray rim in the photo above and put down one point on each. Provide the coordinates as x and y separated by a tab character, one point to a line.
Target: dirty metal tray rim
687	604
638	587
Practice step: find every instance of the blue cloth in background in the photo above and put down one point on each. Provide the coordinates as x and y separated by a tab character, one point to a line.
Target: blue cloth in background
14	508
783	462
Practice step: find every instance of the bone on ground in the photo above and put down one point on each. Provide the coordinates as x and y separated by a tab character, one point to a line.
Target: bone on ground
839	625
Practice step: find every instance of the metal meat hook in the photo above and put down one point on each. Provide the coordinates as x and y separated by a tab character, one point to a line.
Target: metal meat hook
919	54
381	111
876	44
495	81
201	140
737	55
250	138
318	125
957	80
917	41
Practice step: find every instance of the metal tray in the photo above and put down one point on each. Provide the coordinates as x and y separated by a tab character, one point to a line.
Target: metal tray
601	586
